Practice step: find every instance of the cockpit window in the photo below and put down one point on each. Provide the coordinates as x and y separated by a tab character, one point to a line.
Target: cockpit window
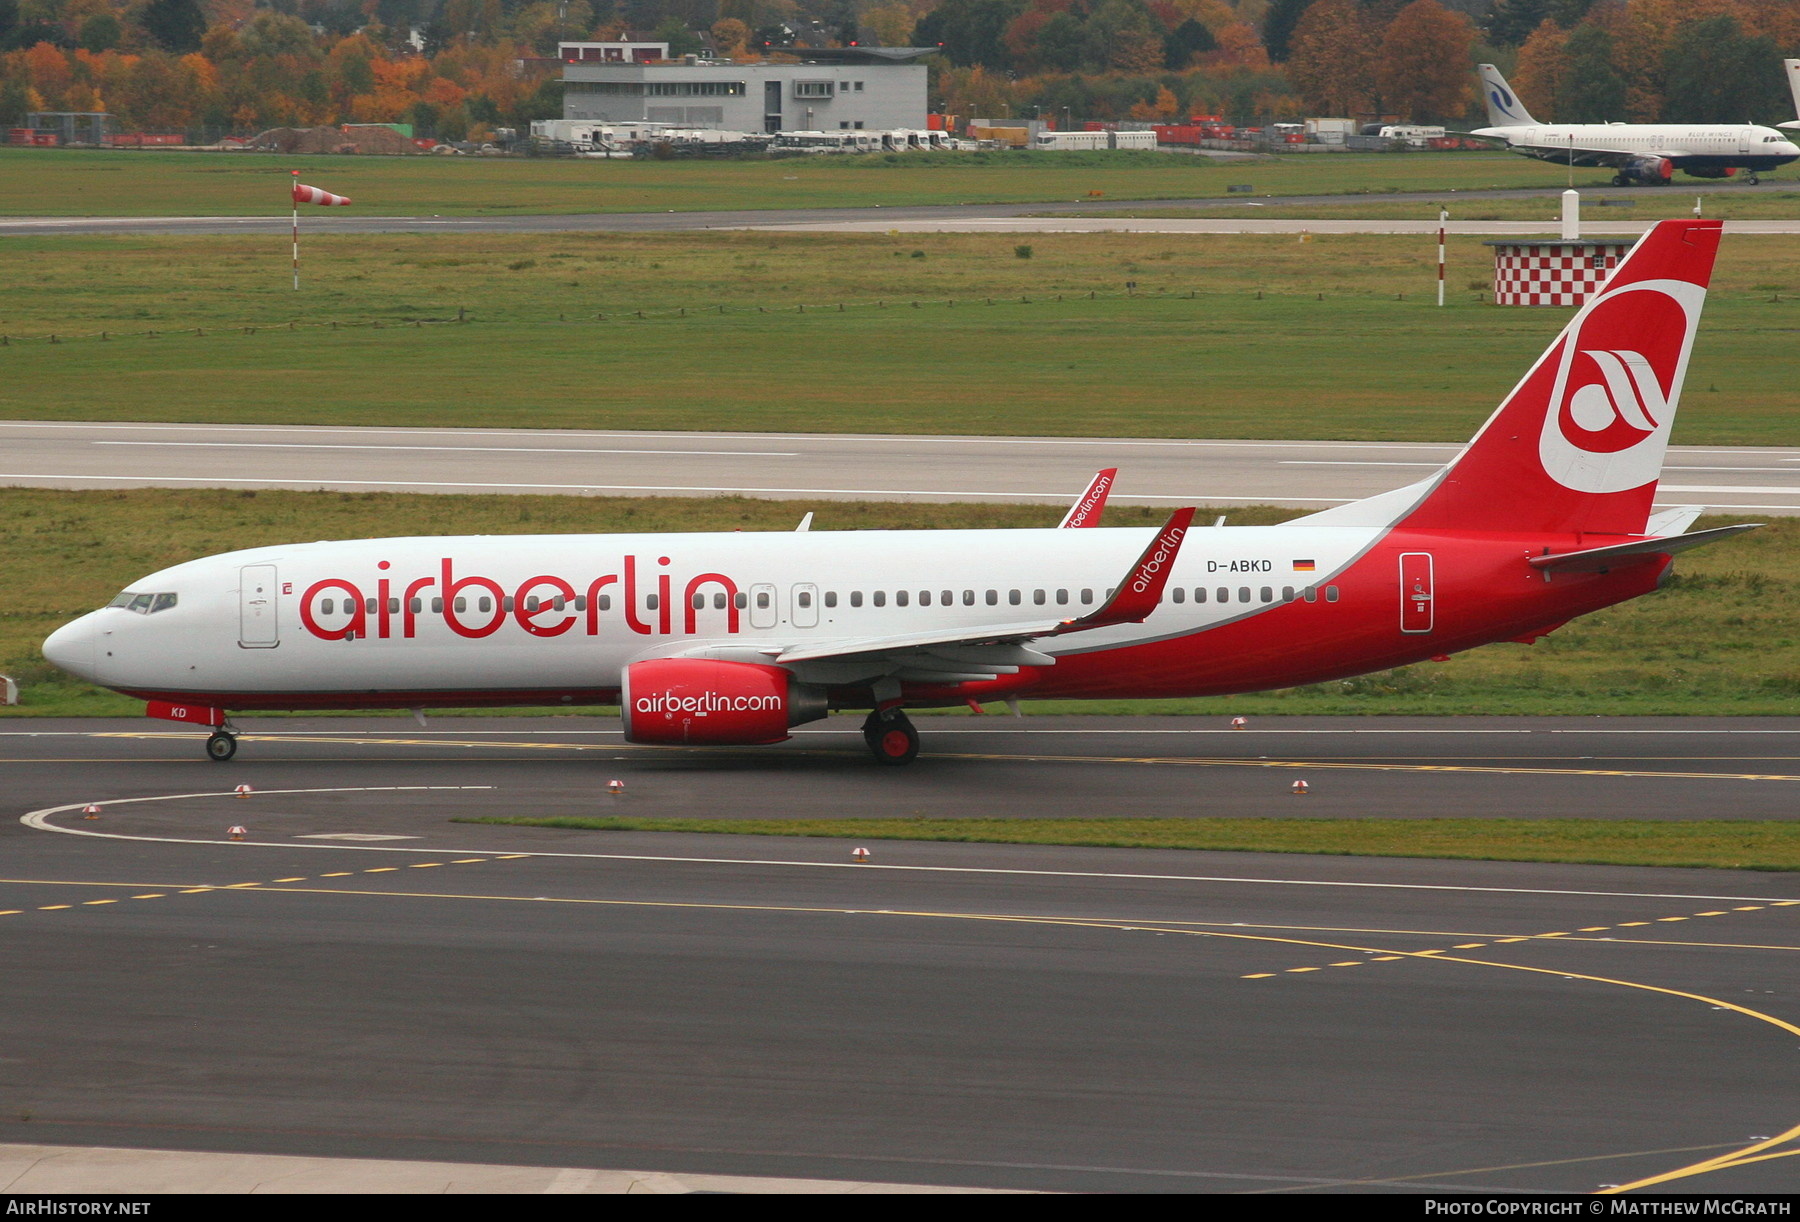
143	604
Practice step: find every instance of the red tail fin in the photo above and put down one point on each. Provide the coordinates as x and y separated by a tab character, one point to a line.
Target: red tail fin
1578	445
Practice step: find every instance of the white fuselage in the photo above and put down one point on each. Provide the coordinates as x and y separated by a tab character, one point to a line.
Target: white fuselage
422	616
1686	144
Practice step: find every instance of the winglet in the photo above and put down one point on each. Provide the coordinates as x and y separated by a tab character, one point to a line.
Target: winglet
1142	589
1086	509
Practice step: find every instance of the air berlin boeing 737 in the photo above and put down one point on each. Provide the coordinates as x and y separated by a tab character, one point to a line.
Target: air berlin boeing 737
735	638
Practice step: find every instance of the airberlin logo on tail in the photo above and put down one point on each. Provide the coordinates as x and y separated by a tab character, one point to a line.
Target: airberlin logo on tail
1619	368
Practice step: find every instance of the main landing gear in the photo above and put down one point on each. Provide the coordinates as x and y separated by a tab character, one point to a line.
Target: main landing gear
221	746
891	737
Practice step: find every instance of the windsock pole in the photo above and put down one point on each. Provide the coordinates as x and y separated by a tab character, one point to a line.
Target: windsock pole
295	198
1443	216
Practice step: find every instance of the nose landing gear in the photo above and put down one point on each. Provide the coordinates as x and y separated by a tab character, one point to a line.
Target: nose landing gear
891	737
221	746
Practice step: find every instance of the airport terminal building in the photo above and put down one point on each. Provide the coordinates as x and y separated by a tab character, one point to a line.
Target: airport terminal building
845	88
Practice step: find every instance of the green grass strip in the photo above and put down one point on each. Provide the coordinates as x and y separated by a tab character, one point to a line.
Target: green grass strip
1701	844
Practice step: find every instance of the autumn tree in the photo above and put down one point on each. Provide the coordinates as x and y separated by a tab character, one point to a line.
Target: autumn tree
175	25
1423	69
1543	71
1278	26
1717	73
1331	58
1595	92
1185	41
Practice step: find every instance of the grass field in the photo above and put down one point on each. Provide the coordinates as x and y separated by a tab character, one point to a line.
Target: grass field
1699	843
74	182
1722	638
1224	336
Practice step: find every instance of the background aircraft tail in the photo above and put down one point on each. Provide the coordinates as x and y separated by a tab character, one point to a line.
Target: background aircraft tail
1503	105
1578	445
1792	68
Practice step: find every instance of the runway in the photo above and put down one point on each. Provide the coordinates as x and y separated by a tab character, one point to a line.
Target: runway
951	1014
1047	470
1237	214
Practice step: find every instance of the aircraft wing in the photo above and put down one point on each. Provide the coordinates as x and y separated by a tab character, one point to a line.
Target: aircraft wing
1600	559
975	652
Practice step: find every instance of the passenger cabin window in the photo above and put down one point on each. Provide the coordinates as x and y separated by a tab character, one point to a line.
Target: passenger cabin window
1062	598
993	598
879	598
804	598
1087	596
831	598
1199	594
968	598
1012	597
1178	594
740	600
1331	594
900	598
762	601
856	598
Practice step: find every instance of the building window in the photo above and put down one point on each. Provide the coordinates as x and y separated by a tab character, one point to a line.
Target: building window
813	89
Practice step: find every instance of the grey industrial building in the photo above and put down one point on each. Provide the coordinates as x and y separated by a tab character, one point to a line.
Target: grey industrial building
879	88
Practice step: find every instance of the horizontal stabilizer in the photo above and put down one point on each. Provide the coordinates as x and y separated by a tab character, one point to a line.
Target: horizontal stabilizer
1599	559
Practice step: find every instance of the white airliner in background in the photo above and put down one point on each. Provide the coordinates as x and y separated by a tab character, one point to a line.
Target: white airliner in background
1792	68
734	638
1637	152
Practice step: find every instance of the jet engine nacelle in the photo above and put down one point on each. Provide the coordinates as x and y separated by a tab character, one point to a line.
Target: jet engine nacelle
695	700
1655	171
1717	171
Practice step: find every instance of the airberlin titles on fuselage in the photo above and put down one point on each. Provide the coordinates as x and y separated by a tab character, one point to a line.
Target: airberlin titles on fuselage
545	605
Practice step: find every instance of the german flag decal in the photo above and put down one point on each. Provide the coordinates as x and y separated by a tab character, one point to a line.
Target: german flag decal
1304	566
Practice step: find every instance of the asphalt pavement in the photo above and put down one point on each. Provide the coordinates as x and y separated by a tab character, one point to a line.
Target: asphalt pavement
362	975
908	218
1046	470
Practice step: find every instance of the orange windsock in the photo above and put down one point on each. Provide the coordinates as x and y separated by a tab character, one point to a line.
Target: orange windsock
304	194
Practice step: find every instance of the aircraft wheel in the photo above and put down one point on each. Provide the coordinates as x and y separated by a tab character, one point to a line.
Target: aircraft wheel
221	746
1750	180
1619	180
892	739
